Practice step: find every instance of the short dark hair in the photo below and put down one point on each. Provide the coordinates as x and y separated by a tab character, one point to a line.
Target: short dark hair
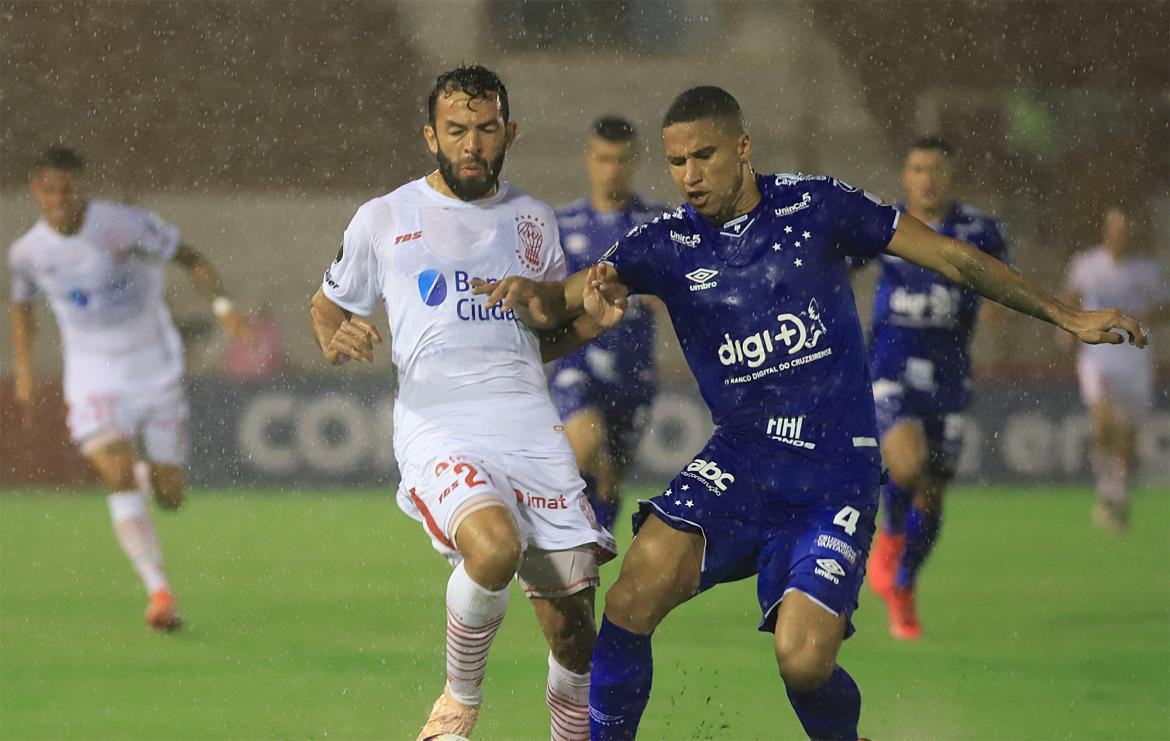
58	158
475	80
705	101
614	129
932	142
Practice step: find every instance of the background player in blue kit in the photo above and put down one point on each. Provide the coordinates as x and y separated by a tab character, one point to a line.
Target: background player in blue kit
752	269
603	392
919	359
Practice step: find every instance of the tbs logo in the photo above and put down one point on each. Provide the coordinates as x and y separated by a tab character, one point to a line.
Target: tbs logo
432	287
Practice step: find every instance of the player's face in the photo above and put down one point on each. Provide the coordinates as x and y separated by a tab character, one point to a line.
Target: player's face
708	164
927	180
1115	230
58	195
469	139
610	166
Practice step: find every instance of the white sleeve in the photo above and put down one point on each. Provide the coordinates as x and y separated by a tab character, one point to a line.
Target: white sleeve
351	281
1074	280
555	267
24	286
153	236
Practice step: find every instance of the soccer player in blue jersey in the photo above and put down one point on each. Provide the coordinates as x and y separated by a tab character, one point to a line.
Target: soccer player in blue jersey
919	360
604	391
752	269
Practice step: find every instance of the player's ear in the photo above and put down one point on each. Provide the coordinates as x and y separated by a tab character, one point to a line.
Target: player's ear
745	147
511	129
432	139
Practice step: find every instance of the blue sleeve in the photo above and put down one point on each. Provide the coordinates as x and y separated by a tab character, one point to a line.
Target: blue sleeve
862	224
994	244
631	257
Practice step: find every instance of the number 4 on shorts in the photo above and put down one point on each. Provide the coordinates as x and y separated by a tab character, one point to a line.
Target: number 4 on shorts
847	519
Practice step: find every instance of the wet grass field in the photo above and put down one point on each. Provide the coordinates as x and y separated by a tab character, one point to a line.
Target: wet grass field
319	615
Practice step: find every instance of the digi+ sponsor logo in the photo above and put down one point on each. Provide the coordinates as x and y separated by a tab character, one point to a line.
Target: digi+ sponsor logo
796	333
433	290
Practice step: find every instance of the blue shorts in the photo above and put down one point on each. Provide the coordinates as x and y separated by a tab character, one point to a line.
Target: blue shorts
764	509
624	408
942	417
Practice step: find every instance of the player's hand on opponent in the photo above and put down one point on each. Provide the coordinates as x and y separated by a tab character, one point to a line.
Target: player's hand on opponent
1099	328
606	299
521	295
354	340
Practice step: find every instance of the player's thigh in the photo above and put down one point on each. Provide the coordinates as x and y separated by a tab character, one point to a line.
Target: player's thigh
660	571
113	459
585	430
904	451
808	637
445	491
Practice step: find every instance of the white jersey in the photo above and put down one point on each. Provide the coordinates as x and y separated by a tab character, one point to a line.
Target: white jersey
105	284
466	375
1135	284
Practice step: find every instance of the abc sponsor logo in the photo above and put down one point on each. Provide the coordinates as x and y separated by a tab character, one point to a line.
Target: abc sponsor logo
710	474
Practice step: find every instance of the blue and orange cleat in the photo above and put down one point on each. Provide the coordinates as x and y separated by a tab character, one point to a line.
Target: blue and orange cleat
884	558
162	614
903	615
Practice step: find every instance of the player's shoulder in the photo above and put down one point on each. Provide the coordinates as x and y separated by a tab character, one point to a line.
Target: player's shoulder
790	192
525	204
572	215
23	248
966	213
644	209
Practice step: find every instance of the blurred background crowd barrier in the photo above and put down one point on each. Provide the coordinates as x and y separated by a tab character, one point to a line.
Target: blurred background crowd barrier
259	127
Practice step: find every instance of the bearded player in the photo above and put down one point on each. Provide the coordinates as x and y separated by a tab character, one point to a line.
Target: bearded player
101	265
485	464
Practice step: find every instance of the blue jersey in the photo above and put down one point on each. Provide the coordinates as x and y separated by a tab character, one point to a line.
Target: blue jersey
764	311
923	323
625	355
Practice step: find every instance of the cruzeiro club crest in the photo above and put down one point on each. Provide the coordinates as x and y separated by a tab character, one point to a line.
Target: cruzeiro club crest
530	237
432	287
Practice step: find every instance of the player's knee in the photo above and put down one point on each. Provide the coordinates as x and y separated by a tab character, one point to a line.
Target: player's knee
490	547
802	667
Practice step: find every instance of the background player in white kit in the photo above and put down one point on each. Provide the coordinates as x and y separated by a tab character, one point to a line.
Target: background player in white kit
1117	382
100	265
484	460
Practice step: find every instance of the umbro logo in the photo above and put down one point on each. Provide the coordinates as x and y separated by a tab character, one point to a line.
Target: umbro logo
701	278
828	568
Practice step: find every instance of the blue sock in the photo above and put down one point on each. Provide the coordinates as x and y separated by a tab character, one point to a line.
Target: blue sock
620	682
921	533
895	503
604	512
832	710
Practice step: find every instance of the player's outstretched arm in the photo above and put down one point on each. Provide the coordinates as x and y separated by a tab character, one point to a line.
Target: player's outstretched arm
207	281
24	330
541	305
340	335
990	278
604	302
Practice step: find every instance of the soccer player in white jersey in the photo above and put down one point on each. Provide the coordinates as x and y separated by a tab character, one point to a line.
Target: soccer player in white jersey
100	266
485	464
1117	382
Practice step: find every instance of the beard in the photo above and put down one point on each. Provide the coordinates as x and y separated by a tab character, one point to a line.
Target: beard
470	189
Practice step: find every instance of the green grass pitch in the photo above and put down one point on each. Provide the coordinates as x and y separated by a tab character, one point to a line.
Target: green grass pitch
318	615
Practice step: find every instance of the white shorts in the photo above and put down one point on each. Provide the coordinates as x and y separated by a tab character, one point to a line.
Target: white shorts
1128	388
563	542
155	420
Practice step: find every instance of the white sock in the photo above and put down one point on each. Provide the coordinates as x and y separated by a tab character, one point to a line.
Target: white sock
134	528
567	698
474	615
1111	478
142	478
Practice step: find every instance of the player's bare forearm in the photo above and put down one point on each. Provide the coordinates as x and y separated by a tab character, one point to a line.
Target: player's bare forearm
24	328
203	273
541	305
990	278
557	343
341	336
